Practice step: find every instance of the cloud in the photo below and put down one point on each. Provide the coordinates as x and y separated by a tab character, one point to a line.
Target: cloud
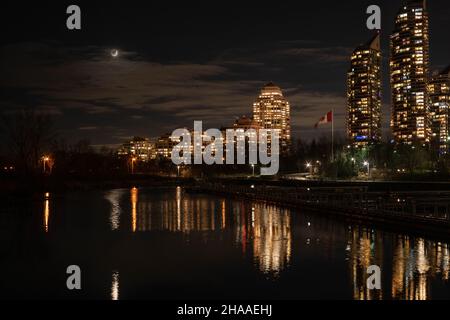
86	85
327	55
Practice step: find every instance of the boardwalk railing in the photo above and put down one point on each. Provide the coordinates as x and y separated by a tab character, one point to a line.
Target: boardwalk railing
414	207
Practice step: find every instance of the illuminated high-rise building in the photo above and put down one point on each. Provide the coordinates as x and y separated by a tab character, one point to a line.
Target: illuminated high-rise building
165	145
272	111
439	95
409	68
141	148
364	94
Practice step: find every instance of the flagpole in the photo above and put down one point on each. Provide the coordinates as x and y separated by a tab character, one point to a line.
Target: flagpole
332	135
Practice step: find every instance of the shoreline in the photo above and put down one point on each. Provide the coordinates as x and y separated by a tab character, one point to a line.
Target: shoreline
286	193
48	184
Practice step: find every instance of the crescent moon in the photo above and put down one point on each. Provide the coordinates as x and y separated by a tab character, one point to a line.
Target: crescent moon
114	53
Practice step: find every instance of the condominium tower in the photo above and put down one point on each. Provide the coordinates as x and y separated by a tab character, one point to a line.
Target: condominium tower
439	95
409	68
271	110
364	94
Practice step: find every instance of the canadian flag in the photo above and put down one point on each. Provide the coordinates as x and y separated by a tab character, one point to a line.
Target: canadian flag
328	118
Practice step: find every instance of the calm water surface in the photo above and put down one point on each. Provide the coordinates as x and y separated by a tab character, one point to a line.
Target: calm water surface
168	244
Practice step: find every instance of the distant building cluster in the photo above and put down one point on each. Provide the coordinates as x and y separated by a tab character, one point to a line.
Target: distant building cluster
420	102
145	149
271	111
141	148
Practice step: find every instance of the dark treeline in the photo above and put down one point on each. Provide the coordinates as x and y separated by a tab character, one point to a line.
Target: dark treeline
31	146
385	160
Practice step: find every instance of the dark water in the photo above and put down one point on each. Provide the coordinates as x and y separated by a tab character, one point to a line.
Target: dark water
167	244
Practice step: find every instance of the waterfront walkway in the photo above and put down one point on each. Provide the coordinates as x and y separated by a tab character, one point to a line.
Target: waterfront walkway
424	212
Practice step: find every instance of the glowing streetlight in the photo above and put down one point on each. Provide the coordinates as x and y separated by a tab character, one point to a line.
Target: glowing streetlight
133	160
310	167
367	164
45	159
353	162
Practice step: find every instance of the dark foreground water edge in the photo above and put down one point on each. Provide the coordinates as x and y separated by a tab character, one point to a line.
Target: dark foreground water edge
153	243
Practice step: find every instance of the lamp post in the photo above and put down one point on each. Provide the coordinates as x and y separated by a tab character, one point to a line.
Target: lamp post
310	167
253	169
367	164
133	160
45	159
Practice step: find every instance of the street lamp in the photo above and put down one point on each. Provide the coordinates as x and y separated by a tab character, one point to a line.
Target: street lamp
310	167
133	160
253	169
45	159
367	164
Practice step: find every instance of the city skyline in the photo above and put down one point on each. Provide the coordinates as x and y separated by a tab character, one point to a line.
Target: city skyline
141	92
186	155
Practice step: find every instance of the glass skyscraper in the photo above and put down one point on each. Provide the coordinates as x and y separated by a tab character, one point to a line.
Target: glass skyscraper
409	70
364	94
272	111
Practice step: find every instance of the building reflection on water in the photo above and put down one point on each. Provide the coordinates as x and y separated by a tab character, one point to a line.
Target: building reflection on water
268	230
265	230
414	262
364	248
272	238
176	214
264	233
114	197
115	285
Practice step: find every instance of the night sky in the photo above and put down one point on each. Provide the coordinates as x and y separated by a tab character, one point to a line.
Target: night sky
184	62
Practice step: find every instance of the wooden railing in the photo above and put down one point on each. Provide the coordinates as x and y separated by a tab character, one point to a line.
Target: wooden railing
417	206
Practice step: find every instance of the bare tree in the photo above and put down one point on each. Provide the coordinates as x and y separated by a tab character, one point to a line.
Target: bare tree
29	135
